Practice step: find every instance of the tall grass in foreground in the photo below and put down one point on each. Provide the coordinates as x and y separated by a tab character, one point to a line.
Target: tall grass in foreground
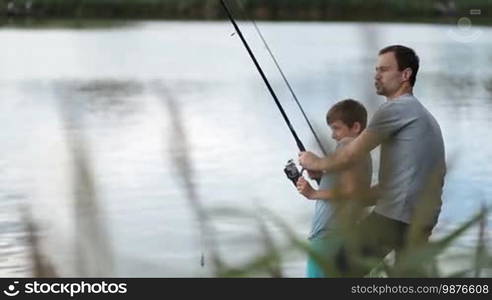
181	158
417	261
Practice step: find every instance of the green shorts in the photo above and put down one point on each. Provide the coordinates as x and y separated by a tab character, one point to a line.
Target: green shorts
321	261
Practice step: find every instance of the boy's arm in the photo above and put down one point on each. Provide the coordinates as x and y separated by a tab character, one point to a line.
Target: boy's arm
307	191
353	187
372	196
327	195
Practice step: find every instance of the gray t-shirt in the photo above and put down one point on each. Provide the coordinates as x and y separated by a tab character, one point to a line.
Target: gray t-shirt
325	211
412	165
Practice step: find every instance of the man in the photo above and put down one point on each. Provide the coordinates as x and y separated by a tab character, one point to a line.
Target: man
412	164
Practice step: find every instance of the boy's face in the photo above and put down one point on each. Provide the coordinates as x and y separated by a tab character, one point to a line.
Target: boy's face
340	130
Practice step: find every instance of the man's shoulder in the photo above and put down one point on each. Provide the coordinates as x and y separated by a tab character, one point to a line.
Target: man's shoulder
402	103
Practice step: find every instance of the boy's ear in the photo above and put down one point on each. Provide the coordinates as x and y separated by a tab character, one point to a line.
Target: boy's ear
356	127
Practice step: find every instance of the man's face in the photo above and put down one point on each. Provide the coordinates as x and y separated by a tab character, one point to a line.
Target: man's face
388	79
340	130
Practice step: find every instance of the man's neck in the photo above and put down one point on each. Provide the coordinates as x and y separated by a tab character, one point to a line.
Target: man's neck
404	90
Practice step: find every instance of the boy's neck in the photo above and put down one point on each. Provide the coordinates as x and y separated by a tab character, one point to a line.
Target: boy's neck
350	136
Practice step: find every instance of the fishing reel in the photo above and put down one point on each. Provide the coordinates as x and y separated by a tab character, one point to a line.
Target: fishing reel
292	171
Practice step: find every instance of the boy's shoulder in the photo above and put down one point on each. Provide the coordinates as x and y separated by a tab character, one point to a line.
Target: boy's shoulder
344	142
366	161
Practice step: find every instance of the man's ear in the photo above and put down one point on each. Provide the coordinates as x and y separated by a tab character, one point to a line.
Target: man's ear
406	74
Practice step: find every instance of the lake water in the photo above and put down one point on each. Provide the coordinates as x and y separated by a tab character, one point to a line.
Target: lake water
114	112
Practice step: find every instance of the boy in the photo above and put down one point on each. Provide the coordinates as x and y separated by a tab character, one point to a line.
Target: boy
336	198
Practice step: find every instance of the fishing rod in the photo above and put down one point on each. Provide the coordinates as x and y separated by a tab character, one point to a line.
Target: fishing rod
300	145
294	96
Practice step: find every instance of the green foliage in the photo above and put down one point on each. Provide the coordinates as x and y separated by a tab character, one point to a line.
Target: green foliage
422	260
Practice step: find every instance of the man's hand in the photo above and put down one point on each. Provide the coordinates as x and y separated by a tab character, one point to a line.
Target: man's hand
309	161
305	188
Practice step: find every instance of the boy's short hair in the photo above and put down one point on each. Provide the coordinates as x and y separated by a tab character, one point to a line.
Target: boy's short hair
348	111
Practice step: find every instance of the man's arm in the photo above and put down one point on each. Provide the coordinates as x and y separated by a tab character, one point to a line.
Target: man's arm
342	158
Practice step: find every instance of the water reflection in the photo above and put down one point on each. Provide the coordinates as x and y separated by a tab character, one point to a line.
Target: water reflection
104	98
112	124
457	88
14	248
488	86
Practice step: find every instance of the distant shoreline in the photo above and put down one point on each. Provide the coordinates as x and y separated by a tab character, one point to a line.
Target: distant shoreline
415	11
87	23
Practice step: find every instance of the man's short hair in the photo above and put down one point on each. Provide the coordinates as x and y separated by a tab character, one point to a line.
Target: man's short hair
348	111
406	58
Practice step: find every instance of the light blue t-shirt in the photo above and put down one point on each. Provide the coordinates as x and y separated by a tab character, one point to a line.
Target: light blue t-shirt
325	211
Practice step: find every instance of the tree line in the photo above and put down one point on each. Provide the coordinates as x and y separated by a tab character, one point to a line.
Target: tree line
258	9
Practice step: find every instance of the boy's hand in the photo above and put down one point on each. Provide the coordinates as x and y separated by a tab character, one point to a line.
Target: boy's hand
315	174
309	161
305	188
